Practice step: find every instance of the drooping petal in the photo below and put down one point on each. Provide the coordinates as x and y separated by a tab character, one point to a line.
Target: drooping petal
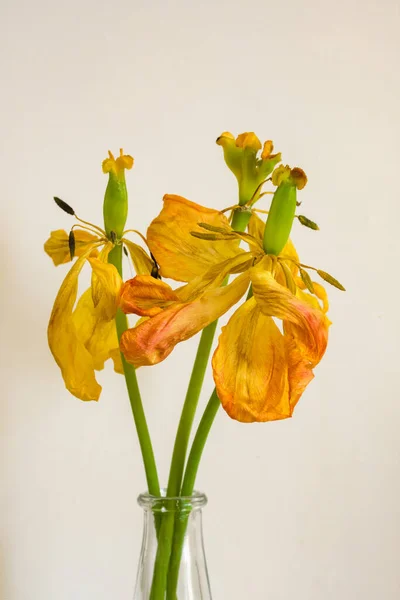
57	246
98	335
145	296
142	262
152	341
308	325
214	276
180	255
250	367
106	287
74	360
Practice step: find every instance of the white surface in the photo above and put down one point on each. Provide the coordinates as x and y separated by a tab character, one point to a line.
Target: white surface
302	509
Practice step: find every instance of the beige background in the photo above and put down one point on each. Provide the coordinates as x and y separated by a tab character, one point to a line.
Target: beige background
303	509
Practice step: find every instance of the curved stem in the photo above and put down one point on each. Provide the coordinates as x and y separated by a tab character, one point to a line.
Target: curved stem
198	444
115	258
189	409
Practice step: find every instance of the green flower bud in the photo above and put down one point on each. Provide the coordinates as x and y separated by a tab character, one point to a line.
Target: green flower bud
115	207
283	208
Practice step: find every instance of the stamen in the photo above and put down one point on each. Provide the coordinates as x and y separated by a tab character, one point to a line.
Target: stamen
137	233
99	229
231	208
93	231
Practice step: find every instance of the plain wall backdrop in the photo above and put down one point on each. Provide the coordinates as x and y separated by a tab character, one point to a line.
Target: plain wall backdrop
306	508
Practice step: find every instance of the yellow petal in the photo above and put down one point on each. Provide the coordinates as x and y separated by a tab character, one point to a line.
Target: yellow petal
145	296
142	262
250	367
307	325
319	291
256	227
290	252
180	255
69	352
152	341
214	276
57	246
106	286
99	336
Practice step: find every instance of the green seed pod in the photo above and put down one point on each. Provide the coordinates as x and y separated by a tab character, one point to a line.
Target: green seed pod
115	207
283	208
250	170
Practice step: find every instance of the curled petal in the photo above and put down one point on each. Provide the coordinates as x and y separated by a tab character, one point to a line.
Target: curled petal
309	326
180	255
320	295
106	286
152	341
74	360
145	296
250	367
57	246
98	335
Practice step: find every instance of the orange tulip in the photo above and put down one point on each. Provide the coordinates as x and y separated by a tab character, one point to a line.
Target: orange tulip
260	370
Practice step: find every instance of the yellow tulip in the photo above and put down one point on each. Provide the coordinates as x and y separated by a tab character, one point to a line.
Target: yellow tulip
260	370
82	334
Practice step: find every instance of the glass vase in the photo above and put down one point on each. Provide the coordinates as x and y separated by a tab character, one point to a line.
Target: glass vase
172	563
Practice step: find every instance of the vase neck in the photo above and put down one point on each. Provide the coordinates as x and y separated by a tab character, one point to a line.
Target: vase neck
172	564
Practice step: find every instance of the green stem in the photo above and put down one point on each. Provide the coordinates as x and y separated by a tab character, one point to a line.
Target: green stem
192	468
189	409
187	490
115	258
167	564
239	223
240	219
198	444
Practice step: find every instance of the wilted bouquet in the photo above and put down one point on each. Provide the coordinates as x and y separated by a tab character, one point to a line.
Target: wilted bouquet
241	255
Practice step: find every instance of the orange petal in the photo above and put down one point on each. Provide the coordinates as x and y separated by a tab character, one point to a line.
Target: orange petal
57	246
180	255
145	296
250	367
214	276
152	341
308	325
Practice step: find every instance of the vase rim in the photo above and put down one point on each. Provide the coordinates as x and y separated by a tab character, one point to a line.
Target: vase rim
172	503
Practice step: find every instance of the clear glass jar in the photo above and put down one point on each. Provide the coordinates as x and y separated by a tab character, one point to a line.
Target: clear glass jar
172	563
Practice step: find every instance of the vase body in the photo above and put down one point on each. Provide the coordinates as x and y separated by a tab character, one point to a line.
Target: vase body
172	563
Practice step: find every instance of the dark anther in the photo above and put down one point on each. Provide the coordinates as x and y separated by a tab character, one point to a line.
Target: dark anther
64	206
71	244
